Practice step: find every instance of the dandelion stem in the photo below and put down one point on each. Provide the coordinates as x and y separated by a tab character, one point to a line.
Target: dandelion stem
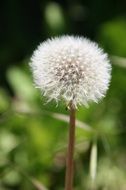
70	151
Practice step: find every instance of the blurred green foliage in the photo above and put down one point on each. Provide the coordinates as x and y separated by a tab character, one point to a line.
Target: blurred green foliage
33	135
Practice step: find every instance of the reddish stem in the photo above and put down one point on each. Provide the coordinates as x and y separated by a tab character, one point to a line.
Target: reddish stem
70	151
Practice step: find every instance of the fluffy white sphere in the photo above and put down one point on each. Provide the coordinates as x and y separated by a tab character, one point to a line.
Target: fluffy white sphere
71	68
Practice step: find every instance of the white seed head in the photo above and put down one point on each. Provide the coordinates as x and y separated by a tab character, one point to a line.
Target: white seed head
71	68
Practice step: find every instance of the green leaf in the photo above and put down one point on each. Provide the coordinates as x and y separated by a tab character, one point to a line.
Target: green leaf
21	84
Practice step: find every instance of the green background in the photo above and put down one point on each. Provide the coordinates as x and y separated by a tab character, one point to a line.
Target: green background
33	135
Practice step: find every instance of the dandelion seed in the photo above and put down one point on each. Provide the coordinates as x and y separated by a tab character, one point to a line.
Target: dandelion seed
68	66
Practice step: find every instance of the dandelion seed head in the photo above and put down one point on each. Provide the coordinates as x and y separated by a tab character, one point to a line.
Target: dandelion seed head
71	68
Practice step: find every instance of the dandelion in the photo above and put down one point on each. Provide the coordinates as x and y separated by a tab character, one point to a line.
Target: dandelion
75	70
71	68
